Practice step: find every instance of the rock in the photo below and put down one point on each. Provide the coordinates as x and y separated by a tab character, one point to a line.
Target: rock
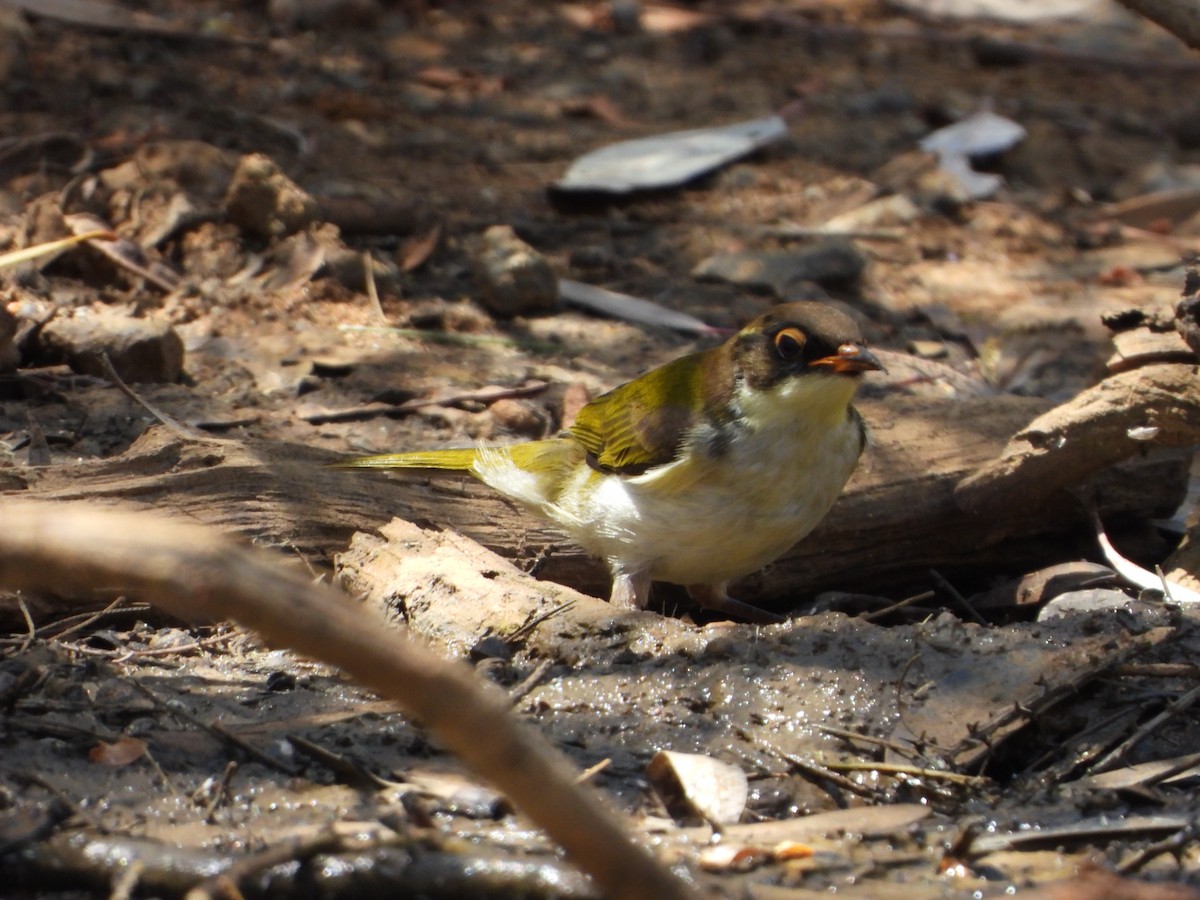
517	417
8	350
782	272
139	349
264	202
1187	311
513	278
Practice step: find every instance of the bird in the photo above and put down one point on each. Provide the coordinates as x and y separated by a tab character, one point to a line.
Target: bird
702	470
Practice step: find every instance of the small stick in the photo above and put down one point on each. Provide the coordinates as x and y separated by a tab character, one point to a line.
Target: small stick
32	628
88	619
1176	706
907	601
867	739
818	771
1172	844
901	769
125	883
224	885
962	601
518	693
372	288
1157	670
186	432
217	731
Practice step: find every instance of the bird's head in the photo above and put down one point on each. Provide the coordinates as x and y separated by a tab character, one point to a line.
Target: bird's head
799	357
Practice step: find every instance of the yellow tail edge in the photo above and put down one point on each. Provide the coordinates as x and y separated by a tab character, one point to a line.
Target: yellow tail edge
459	460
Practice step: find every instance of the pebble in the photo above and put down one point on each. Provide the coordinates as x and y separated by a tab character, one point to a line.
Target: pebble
517	417
513	278
139	349
9	357
262	201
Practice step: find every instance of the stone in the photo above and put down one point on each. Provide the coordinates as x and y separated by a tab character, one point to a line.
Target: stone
139	349
9	357
262	201
513	278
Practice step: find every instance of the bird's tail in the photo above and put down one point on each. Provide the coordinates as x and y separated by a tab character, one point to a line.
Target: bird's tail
458	460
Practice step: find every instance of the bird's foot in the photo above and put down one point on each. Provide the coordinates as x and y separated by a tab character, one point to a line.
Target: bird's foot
630	591
714	597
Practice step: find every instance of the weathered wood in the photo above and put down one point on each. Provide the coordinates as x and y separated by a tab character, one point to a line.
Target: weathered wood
898	516
1125	416
184	568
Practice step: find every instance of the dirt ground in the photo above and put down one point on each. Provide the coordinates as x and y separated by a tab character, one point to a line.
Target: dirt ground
948	756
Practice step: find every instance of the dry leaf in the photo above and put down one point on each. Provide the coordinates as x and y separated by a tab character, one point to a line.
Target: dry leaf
699	785
787	850
120	752
732	858
417	252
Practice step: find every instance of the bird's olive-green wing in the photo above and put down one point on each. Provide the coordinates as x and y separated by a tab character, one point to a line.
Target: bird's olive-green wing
642	424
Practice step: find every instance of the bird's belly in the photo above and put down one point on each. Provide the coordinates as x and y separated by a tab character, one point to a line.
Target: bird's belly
713	521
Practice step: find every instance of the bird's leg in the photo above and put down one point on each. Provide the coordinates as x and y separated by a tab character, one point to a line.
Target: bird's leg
714	597
630	590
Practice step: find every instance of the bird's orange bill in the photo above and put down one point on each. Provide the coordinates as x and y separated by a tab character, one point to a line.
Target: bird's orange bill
850	360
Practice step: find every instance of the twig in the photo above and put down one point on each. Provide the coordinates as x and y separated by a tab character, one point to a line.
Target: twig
351	772
1157	670
64	799
526	628
192	572
184	431
87	619
518	693
1173	844
127	881
824	773
1056	759
900	604
371	410
962	601
867	739
216	730
1176	706
218	791
15	257
372	288
32	628
901	769
592	771
224	885
125	654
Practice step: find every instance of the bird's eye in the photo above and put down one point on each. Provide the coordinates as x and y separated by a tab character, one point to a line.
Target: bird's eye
789	343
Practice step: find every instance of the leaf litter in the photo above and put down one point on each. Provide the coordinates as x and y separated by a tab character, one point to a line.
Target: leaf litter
866	748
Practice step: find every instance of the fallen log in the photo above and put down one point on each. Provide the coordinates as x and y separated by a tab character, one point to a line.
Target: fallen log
899	515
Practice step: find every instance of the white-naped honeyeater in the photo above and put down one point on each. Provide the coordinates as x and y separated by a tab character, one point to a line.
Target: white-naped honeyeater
702	470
